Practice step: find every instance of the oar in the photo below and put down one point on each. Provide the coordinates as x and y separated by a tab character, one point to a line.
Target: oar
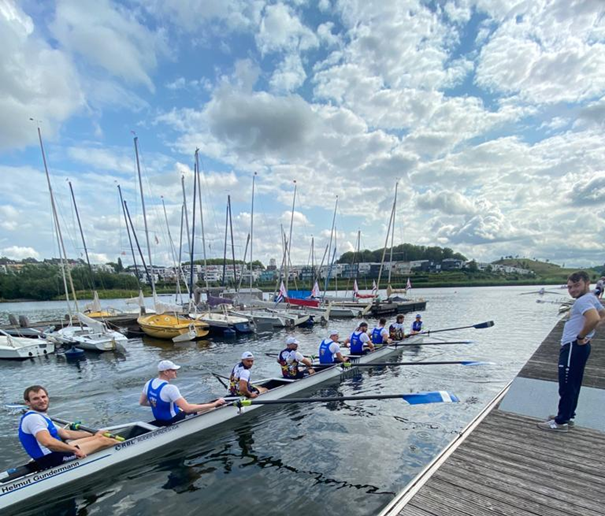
479	326
418	398
399	343
72	425
443	362
220	378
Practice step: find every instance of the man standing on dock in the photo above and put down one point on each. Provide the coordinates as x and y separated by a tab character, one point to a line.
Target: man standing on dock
585	314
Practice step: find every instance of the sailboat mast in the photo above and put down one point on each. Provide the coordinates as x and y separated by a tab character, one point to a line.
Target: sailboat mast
330	244
386	240
73	197
186	214
66	270
252	230
172	251
134	233
191	282
122	203
289	245
225	248
232	244
199	193
150	276
392	235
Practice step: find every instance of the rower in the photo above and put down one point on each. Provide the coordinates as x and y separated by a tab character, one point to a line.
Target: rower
329	350
359	341
166	401
289	358
239	381
397	329
47	444
380	335
417	325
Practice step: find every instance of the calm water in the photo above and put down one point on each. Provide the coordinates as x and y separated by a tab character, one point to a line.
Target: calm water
349	458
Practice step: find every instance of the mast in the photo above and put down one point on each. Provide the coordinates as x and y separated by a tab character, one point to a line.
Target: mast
172	252
252	231
136	270
73	197
150	276
199	192
392	235
232	244
134	233
186	213
288	243
65	266
191	282
225	249
330	244
386	240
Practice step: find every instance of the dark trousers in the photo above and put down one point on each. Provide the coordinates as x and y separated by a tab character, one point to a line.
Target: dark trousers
571	373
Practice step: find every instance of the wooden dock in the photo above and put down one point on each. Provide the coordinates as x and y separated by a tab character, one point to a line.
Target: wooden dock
502	464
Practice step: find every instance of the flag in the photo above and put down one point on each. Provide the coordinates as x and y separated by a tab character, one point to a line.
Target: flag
315	292
282	294
355	289
156	239
408	285
374	287
123	253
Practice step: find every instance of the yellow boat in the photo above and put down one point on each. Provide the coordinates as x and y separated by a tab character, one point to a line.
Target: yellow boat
169	326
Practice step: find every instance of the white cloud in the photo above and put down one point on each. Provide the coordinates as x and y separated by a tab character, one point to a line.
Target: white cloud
36	80
289	75
281	30
19	253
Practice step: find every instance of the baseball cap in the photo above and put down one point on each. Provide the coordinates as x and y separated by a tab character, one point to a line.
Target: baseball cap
334	332
291	340
418	316
247	355
168	365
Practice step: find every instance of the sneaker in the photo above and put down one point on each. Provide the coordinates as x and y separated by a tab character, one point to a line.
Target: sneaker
571	423
552	426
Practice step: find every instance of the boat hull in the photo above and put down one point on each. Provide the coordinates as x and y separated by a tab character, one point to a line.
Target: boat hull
27	489
165	326
16	348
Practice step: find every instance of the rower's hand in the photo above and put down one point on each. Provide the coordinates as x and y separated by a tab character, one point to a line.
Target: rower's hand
311	370
219	402
79	453
254	395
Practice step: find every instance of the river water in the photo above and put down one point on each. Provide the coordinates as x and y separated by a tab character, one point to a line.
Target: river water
339	458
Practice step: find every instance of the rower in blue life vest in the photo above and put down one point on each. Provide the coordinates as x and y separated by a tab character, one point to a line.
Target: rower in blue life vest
166	401
290	358
47	444
359	342
380	335
417	325
240	379
397	329
329	350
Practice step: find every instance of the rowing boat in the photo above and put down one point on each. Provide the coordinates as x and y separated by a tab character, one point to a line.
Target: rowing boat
23	485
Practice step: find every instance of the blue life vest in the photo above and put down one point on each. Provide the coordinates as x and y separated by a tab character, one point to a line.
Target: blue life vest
162	410
356	344
377	335
29	441
325	355
417	326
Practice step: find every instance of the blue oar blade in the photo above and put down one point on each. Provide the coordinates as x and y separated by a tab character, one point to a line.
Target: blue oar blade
15	406
421	398
476	363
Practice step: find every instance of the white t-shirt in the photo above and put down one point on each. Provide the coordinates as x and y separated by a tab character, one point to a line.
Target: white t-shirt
33	424
241	373
292	356
398	326
170	393
576	317
334	348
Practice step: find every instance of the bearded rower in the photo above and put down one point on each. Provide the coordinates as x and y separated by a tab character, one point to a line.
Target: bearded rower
289	358
47	444
240	379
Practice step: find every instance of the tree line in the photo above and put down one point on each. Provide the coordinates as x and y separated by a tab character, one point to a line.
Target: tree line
402	253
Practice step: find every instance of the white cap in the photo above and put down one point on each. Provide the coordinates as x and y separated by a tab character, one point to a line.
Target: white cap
333	332
246	355
291	340
167	365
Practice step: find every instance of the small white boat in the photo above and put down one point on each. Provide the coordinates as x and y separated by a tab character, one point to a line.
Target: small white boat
219	322
22	485
91	335
20	348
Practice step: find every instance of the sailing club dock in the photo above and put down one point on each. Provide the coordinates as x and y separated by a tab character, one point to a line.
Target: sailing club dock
502	464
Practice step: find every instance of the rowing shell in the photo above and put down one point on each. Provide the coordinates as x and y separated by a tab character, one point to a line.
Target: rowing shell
21	486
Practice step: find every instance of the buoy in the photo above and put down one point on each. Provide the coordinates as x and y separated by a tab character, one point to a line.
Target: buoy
74	353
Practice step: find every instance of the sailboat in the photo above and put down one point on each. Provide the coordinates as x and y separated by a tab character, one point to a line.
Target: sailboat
96	337
166	323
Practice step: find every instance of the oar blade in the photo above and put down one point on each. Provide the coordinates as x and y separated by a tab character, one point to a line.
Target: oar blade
423	398
487	324
476	363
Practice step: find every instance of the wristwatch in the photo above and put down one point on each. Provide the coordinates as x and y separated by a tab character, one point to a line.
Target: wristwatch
578	337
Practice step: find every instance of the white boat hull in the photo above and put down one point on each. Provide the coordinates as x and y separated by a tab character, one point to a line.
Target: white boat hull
20	348
30	487
91	340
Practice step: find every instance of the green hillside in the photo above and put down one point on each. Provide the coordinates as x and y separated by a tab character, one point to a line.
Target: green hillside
549	272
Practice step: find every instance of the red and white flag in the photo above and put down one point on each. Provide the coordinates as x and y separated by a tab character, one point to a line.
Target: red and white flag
282	294
315	292
355	289
408	285
374	287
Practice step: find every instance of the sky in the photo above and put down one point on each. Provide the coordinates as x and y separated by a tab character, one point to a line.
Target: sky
487	114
